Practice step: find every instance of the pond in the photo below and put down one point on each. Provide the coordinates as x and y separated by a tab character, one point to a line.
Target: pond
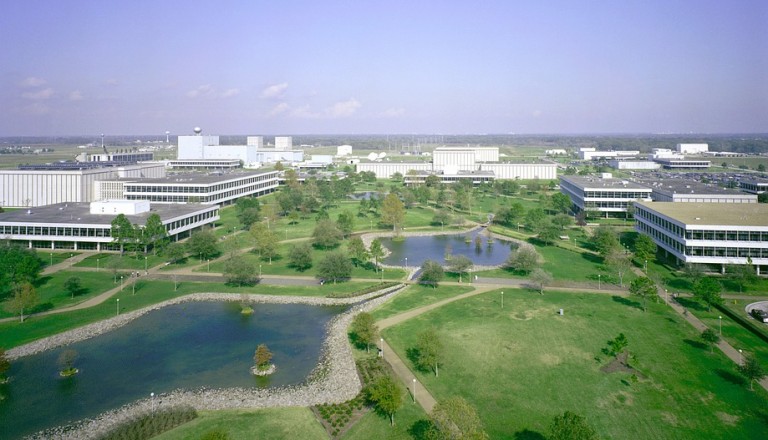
435	247
190	345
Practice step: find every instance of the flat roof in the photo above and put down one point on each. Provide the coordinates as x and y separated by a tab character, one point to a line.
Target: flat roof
200	178
685	186
711	214
80	214
594	182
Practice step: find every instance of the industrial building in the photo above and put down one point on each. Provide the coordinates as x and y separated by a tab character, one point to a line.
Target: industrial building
603	194
707	234
251	155
692	148
633	164
589	153
84	226
344	150
121	157
283	143
203	164
670	163
475	177
68	182
691	191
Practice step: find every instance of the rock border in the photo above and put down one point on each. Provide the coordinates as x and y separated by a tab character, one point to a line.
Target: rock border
333	380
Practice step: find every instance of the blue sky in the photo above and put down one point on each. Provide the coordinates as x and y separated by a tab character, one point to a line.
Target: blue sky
448	67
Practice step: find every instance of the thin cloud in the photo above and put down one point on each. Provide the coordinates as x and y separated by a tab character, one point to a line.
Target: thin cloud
279	109
33	81
75	95
208	91
304	112
393	113
39	94
36	108
343	109
274	91
230	93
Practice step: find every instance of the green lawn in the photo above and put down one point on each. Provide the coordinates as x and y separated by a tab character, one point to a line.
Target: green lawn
55	257
523	365
268	423
376	426
415	296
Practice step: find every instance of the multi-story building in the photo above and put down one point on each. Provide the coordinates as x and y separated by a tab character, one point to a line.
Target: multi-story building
208	164
81	226
283	143
682	163
707	234
692	148
65	182
477	177
691	191
754	186
603	194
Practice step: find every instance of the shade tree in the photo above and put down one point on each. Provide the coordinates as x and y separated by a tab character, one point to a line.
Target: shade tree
431	273
645	288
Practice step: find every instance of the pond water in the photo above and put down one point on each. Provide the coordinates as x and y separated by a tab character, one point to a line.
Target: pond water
188	345
435	247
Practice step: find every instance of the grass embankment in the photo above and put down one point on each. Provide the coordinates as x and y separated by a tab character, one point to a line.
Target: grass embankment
148	292
415	296
523	365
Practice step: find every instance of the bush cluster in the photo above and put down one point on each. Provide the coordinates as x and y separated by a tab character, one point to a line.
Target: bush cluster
151	424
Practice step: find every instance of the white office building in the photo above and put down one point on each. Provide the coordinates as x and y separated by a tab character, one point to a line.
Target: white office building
344	150
283	143
591	153
691	191
84	226
47	185
605	195
692	148
754	186
201	146
255	141
525	171
707	234
385	170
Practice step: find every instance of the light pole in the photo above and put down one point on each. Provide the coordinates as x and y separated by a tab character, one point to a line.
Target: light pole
666	295
145	265
133	285
118	307
51	259
599	286
208	260
646	267
720	318
121	283
502	299
382	347
152	396
97	264
740	357
371	220
259	270
406	264
414	390
70	259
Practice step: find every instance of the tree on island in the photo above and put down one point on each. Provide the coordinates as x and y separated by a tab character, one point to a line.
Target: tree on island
262	360
66	362
387	395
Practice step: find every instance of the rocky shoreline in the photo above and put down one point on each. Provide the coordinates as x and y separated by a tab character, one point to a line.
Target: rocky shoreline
334	379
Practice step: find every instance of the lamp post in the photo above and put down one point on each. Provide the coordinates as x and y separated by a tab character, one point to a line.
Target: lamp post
382	347
666	295
502	299
259	270
70	259
133	285
646	267
208	260
118	307
121	283
406	263
51	258
152	396
97	264
741	358
720	318
145	265
599	286
414	390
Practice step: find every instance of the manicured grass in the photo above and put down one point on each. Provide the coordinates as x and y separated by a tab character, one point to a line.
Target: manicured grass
14	333
128	261
415	296
51	293
268	423
523	365
376	426
54	257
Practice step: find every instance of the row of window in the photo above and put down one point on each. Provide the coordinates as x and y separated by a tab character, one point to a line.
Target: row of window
632	195
678	231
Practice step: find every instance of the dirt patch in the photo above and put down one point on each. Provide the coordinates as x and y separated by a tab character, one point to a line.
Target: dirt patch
669	418
550	359
619	364
728	419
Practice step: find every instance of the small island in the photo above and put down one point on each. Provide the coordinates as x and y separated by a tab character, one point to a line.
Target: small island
262	359
67	363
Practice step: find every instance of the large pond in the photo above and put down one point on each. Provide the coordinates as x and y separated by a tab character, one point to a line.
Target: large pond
188	345
435	247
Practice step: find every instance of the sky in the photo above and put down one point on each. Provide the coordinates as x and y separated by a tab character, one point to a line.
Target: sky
289	67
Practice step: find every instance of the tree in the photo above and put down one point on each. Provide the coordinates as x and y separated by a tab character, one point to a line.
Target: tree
300	257
66	362
392	211
262	357
711	338
571	426
376	250
430	351
617	345
708	289
357	250
265	241
562	221
605	240
561	203
548	232
202	244
541	279
346	223
459	264
5	365
743	274
24	298
364	329
645	288
387	395
18	265
122	231
761	167
326	234
645	248
619	261
751	370
441	218
523	259
533	217
431	273
239	271
154	233
73	285
693	271
455	418
334	266
175	252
